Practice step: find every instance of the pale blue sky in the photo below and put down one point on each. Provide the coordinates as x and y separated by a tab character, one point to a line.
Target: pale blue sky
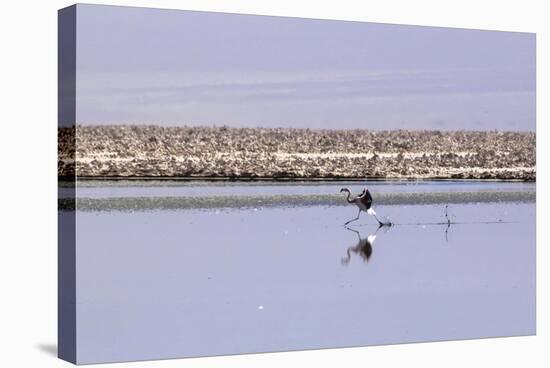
171	67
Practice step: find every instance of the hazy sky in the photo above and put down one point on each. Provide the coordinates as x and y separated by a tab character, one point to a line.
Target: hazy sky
170	67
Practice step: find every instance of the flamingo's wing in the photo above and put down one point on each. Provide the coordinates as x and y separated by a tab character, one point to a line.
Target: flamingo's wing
366	198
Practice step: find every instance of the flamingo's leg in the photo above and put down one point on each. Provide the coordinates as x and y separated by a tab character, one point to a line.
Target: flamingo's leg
355	219
373	213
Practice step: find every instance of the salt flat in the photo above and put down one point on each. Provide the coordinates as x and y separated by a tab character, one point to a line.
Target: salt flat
222	152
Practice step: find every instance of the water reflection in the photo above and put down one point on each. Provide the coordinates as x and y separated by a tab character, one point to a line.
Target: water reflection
363	248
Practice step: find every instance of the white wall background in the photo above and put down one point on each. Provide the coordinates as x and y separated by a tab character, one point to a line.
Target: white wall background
28	149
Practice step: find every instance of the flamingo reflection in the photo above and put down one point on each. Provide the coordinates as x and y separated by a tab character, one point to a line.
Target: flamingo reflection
363	248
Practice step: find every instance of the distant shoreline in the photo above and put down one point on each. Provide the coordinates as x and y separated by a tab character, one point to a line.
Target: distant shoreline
264	154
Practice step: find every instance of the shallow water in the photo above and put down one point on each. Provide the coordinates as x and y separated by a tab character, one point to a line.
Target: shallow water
206	281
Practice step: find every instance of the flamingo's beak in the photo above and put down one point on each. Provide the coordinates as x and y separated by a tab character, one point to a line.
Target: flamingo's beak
342	190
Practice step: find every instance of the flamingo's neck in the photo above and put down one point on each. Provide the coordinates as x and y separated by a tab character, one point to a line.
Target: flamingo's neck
348	199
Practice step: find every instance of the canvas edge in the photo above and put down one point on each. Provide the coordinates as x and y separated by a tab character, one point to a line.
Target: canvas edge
66	246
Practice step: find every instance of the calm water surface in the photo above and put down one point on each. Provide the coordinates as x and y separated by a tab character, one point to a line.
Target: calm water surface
173	283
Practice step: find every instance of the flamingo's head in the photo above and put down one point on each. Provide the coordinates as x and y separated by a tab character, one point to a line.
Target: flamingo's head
344	190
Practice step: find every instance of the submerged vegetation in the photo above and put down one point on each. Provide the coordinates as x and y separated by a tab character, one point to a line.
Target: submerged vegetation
154	151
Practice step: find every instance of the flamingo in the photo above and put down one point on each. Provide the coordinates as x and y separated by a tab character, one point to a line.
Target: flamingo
364	202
